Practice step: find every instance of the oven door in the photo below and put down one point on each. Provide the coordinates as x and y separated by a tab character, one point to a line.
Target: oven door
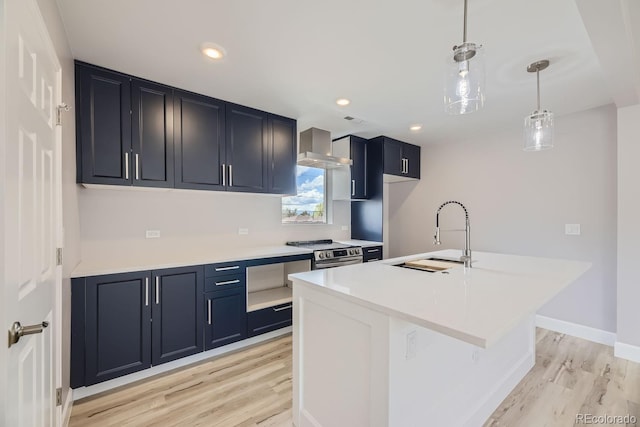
337	263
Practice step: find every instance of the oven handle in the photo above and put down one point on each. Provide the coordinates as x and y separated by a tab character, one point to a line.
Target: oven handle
339	263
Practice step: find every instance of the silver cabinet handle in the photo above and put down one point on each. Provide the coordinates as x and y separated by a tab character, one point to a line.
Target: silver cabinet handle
373	259
407	168
126	165
209	311
234	267
372	251
137	167
146	291
283	308
230	175
353	187
157	290
17	331
227	282
224	175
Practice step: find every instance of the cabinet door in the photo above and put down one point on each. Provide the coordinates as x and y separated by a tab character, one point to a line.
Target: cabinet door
103	126
412	155
226	317
152	134
393	157
177	313
358	168
247	148
199	124
282	156
118	325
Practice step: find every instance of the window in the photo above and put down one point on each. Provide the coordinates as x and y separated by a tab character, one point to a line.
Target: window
308	206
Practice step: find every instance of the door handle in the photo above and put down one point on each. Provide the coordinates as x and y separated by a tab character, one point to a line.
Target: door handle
353	187
224	175
230	175
146	292
157	290
283	308
17	331
126	165
209	311
407	167
137	167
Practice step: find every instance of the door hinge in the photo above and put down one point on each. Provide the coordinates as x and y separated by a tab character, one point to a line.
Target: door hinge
62	107
58	397
58	256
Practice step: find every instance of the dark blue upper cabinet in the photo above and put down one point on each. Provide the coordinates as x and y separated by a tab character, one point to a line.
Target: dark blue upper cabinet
247	149
177	313
282	155
103	126
199	124
135	132
152	134
117	325
400	158
359	167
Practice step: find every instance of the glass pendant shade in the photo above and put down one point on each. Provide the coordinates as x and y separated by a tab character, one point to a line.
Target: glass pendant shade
538	131
464	80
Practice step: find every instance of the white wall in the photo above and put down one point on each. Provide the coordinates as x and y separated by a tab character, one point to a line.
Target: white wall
519	203
116	220
50	13
628	225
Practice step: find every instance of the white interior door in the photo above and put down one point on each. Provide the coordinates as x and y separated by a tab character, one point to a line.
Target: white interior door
32	219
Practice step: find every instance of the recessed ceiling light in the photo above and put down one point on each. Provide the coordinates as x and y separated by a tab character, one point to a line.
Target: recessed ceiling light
415	128
213	51
342	102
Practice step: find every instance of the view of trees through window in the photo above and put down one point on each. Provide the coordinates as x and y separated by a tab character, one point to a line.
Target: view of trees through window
308	206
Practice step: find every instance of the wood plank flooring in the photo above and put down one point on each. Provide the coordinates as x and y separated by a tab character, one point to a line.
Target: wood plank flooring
252	387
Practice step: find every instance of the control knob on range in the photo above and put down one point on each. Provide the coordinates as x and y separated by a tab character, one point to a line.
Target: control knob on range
329	254
321	255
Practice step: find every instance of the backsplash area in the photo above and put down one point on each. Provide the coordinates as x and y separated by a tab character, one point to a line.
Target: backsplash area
117	221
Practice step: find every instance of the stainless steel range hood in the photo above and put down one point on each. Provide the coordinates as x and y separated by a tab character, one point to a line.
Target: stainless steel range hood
315	150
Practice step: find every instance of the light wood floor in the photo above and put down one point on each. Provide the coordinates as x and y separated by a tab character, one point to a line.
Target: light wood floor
252	387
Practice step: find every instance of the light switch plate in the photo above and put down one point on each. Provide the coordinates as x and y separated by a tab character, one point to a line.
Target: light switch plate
572	229
345	228
243	231
152	234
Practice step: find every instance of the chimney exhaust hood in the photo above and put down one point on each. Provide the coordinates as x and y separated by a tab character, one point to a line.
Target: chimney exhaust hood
315	150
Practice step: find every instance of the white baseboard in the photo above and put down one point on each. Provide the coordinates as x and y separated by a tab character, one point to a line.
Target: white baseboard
82	392
576	330
627	351
66	408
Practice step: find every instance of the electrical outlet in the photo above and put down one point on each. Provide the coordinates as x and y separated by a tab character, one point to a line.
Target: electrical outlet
475	355
412	345
243	231
345	228
153	234
572	229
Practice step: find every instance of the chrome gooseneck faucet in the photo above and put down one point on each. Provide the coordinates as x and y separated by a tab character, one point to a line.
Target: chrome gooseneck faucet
466	253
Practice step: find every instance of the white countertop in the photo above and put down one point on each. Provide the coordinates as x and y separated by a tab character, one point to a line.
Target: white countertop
479	305
167	258
363	243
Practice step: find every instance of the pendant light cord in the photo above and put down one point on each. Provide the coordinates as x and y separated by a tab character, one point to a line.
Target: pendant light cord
538	84
464	31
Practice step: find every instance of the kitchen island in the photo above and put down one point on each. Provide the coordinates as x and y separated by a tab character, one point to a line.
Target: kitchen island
380	345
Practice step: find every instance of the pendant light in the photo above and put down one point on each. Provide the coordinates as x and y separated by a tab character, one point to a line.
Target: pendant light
464	80
538	126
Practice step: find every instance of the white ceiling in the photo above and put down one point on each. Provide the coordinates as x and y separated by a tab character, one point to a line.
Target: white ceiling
296	57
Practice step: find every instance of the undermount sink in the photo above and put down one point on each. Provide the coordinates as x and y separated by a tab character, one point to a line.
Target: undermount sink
431	264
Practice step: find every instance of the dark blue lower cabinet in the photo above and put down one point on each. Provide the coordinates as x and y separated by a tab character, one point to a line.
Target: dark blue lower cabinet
117	325
225	317
269	319
177	313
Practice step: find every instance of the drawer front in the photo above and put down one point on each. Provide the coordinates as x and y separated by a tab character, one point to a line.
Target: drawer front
373	253
229	281
269	319
224	268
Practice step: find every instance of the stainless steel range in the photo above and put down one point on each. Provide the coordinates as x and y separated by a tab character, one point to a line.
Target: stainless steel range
327	253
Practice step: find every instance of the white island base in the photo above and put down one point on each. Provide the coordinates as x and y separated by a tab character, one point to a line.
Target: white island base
353	366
